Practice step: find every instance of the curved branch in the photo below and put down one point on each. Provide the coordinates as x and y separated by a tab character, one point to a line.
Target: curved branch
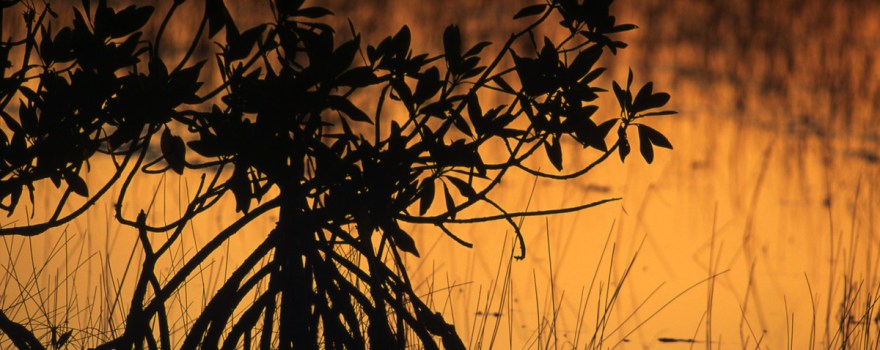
20	335
195	42
200	204
503	52
164	25
574	174
445	217
227	302
33	230
175	281
516	228
454	237
137	165
436	220
248	320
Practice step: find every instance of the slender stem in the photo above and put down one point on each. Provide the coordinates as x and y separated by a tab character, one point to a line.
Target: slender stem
164	25
424	220
190	266
36	229
194	44
575	174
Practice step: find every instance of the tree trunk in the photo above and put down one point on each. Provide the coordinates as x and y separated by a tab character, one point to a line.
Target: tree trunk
295	251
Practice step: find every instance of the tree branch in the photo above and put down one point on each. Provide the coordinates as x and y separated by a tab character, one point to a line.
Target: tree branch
20	335
437	220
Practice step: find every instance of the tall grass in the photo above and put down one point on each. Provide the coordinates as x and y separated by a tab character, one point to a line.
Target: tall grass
778	156
43	292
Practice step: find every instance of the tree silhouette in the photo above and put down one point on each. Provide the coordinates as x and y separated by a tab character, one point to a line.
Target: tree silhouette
281	131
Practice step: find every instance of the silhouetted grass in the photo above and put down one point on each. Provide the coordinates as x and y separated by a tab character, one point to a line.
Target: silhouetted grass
44	296
808	75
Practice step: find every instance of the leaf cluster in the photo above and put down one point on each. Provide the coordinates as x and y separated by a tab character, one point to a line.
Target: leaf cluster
283	116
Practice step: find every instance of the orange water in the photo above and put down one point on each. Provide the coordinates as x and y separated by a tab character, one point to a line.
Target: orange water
771	186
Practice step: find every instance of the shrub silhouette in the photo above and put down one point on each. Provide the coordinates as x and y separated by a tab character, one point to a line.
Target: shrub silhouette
281	131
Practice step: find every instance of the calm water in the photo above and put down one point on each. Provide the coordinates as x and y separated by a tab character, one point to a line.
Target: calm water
772	186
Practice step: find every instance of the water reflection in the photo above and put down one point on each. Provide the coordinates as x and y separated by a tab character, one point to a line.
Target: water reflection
772	179
771	187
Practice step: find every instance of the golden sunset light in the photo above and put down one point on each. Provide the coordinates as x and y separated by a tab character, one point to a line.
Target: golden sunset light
542	174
